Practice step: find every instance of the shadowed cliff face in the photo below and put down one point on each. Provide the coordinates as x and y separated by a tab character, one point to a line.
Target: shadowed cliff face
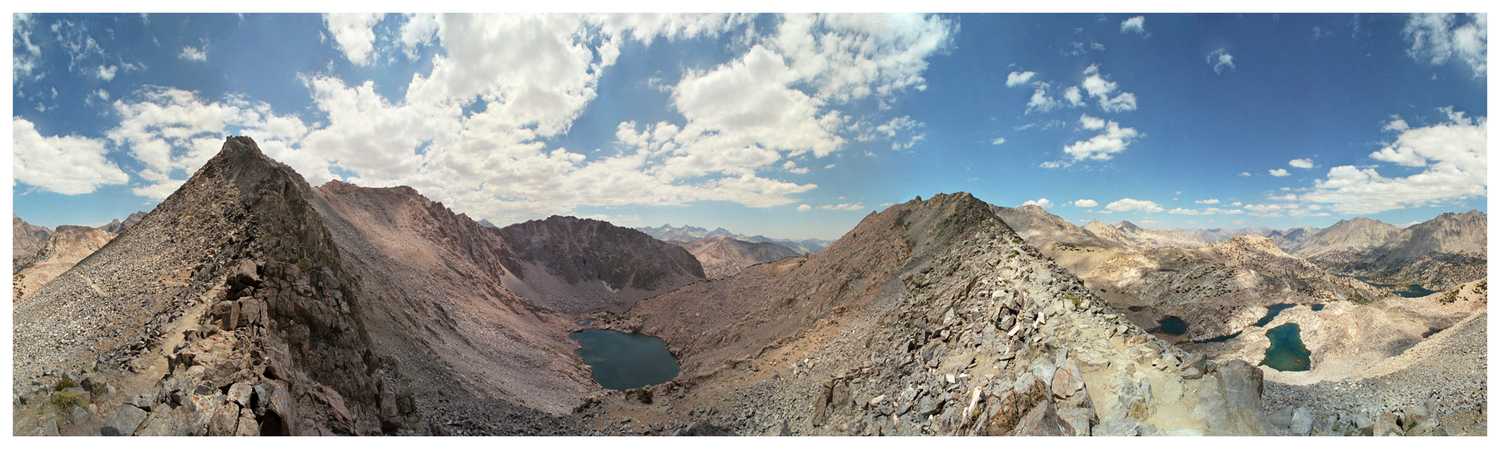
579	265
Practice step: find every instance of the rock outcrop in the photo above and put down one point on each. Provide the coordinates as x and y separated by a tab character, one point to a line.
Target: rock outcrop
1438	254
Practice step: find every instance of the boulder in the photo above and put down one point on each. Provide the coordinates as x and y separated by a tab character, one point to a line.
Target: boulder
1041	420
1302	422
244	274
124	421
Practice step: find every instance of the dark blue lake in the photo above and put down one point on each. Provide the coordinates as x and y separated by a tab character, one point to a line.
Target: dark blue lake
1287	353
1172	325
622	361
1414	291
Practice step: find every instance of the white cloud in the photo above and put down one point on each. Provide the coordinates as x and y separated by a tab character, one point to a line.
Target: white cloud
1075	96
1019	78
354	34
1090	122
195	54
1086	203
69	165
1040	100
1278	172
1207	201
803	208
1039	202
1303	163
1099	87
850	56
1112	139
1437	38
1396	124
27	53
172	132
1135	24
1245	174
1451	156
998	141
842	207
791	167
107	72
1221	60
1133	205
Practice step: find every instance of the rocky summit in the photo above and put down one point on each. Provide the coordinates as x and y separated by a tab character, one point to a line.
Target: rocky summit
251	303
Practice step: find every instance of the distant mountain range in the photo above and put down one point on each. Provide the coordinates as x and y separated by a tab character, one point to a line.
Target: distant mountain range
671	233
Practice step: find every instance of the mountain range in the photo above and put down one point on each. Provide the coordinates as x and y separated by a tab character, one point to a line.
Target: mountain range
252	303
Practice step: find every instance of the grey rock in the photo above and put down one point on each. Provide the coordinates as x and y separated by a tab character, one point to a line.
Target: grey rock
124	421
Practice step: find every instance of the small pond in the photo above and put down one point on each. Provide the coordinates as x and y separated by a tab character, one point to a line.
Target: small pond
1287	353
1317	307
1171	325
622	361
1414	291
1272	311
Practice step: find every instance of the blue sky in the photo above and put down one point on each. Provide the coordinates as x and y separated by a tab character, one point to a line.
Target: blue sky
788	126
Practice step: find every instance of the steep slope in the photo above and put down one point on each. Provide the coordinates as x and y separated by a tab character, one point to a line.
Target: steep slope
931	317
65	247
577	265
1347	235
28	241
474	354
1439	254
226	310
723	256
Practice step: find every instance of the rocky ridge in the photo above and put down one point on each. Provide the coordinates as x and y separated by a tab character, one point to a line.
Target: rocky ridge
931	317
225	311
723	256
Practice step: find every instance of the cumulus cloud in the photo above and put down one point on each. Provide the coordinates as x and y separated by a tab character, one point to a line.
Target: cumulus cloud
474	129
1208	201
69	165
1451	157
1086	203
107	72
1133	205
1396	124
1111	139
998	141
1135	25
1438	38
1099	87
172	132
1040	100
1303	163
1019	78
27	53
353	34
1220	60
191	53
851	56
803	208
1278	172
1075	96
1245	174
1039	202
